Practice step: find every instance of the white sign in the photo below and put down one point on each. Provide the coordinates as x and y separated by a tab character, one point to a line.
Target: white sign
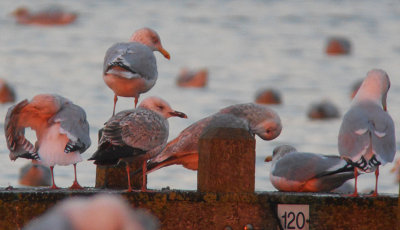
294	216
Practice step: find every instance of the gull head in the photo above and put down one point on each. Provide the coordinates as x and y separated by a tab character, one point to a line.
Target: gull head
161	107
374	88
151	39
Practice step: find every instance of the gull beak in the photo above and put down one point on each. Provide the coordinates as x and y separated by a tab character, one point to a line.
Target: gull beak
178	114
164	52
268	159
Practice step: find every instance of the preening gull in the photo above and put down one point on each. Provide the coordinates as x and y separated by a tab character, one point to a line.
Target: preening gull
367	134
293	171
130	68
183	150
61	128
134	134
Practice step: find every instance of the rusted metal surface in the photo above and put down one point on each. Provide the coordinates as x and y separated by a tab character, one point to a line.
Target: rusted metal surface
196	210
226	161
115	177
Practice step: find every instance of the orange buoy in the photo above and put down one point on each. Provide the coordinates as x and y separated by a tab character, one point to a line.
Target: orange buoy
338	46
47	17
323	110
7	93
195	79
268	96
35	174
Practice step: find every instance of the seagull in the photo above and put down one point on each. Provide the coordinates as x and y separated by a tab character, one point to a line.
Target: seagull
294	171
61	128
130	68
135	134
183	150
367	134
100	212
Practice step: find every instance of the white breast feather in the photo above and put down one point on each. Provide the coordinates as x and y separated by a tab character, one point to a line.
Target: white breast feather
51	149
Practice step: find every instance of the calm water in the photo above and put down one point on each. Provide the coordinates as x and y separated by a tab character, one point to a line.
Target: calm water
245	46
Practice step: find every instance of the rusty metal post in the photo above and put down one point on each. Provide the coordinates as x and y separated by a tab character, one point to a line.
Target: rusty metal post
116	177
226	160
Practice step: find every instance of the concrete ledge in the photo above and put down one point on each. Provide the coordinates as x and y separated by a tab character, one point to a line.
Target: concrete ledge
195	210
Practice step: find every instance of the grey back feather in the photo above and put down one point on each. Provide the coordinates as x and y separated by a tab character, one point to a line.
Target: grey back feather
374	119
299	166
227	121
73	122
254	113
136	56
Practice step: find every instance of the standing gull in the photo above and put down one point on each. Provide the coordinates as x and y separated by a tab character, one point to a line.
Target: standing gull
183	150
135	134
367	136
61	128
294	171
130	68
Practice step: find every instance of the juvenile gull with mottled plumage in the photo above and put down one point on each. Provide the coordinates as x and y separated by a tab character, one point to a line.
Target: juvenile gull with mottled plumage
134	134
183	150
61	128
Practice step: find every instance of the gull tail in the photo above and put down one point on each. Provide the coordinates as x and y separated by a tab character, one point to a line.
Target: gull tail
346	167
154	166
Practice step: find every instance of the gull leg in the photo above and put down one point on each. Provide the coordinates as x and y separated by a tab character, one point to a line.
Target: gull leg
355	194
115	102
375	193
144	178
136	101
54	186
75	185
129	178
